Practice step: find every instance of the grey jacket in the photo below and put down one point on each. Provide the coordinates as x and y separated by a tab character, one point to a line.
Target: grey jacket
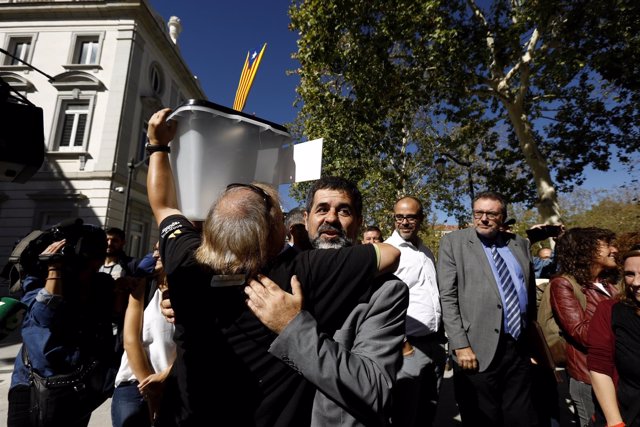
471	304
354	370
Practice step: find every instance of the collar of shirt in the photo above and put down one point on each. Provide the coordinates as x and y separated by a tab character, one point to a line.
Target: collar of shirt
397	240
601	287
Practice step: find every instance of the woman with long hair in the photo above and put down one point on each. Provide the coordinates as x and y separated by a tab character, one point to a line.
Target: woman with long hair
614	343
149	353
586	256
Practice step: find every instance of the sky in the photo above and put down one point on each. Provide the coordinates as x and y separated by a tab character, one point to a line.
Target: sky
216	36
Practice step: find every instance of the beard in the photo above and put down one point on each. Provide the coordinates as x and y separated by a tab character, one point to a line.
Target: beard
336	242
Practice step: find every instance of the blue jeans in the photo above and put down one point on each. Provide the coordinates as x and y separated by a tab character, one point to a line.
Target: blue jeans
128	408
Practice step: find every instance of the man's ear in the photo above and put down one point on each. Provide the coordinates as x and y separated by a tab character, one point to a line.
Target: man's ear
306	220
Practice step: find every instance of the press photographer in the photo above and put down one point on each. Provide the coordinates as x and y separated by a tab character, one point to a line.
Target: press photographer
64	369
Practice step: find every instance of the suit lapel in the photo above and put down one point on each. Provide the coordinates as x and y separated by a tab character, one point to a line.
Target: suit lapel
476	249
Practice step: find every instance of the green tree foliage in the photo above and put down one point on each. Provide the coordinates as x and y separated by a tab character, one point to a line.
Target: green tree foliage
528	93
618	211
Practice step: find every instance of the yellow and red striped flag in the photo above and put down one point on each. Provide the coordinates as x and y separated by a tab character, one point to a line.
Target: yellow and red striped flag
249	70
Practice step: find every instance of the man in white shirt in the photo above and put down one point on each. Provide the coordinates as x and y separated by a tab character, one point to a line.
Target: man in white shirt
418	382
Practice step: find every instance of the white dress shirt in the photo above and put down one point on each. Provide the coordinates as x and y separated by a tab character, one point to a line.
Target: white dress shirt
417	269
157	341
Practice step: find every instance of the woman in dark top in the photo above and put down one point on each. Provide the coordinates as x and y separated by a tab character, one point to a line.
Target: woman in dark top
614	343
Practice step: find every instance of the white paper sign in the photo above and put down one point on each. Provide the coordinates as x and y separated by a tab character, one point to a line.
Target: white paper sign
308	159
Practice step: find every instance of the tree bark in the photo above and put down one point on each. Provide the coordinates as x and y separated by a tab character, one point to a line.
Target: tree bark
548	199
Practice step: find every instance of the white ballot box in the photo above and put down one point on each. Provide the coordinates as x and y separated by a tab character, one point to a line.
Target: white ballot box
216	146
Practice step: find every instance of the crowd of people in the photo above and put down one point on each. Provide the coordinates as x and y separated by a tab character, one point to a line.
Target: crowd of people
254	318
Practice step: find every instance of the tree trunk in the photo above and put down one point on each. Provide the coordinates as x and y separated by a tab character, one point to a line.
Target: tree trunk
548	199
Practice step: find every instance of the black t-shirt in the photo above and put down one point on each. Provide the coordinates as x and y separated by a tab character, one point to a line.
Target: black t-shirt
625	324
224	374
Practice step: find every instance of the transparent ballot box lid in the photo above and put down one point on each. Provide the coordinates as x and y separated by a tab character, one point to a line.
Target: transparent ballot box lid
216	146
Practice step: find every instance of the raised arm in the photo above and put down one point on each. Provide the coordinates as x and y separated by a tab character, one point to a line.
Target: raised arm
161	188
389	258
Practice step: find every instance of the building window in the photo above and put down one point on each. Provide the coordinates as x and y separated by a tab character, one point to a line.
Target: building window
20	47
156	78
141	153
73	124
86	49
136	237
173	98
50	218
20	50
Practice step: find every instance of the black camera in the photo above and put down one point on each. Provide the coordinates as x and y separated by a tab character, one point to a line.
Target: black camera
545	232
83	242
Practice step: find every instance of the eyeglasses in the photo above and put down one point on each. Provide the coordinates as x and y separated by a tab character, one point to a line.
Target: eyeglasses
257	190
490	215
411	218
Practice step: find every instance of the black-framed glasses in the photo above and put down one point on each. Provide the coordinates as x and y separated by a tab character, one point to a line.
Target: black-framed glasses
490	215
257	190
411	218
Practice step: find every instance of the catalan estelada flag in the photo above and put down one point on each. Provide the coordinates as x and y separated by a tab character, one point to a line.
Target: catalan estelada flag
251	64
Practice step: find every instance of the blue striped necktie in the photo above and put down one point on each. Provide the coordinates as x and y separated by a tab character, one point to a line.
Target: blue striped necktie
512	305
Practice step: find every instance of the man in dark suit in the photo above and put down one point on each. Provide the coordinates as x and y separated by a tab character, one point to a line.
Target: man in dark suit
486	282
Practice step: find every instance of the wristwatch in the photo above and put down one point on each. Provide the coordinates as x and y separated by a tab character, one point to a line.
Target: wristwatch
152	148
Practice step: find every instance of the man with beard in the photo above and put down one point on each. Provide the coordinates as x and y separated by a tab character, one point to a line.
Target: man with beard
418	387
117	263
224	373
355	368
124	269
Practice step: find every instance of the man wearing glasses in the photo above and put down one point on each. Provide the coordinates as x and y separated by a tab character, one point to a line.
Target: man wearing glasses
487	290
418	382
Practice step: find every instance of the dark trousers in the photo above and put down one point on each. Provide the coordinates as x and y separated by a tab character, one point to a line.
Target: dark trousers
19	409
502	394
415	397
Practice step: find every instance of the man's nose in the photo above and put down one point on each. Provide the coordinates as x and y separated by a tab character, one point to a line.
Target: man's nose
332	216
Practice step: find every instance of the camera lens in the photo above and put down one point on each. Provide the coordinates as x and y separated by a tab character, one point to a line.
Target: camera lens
57	234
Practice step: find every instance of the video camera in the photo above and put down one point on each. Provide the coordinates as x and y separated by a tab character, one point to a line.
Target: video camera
83	242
